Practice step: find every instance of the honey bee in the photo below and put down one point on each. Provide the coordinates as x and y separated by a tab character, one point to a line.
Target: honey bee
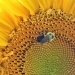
46	37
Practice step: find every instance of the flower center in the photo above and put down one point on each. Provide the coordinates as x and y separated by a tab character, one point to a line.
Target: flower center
50	58
53	58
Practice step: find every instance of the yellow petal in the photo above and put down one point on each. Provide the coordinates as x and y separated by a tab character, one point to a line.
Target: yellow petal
3	36
45	4
3	32
6	11
6	20
3	39
67	5
57	4
5	27
31	5
3	42
16	8
72	10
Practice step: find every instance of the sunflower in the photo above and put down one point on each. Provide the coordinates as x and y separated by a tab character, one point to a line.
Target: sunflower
37	37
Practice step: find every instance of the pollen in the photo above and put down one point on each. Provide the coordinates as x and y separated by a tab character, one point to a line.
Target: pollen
52	58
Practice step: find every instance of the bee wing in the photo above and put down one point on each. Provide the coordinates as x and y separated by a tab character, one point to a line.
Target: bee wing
39	38
45	39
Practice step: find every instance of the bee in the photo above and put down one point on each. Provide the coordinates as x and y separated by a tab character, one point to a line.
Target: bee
46	37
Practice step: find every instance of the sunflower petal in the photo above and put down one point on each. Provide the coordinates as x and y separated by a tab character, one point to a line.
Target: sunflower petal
16	8
72	10
3	42
8	14
31	5
5	20
3	38
45	4
67	5
57	4
4	30
5	27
